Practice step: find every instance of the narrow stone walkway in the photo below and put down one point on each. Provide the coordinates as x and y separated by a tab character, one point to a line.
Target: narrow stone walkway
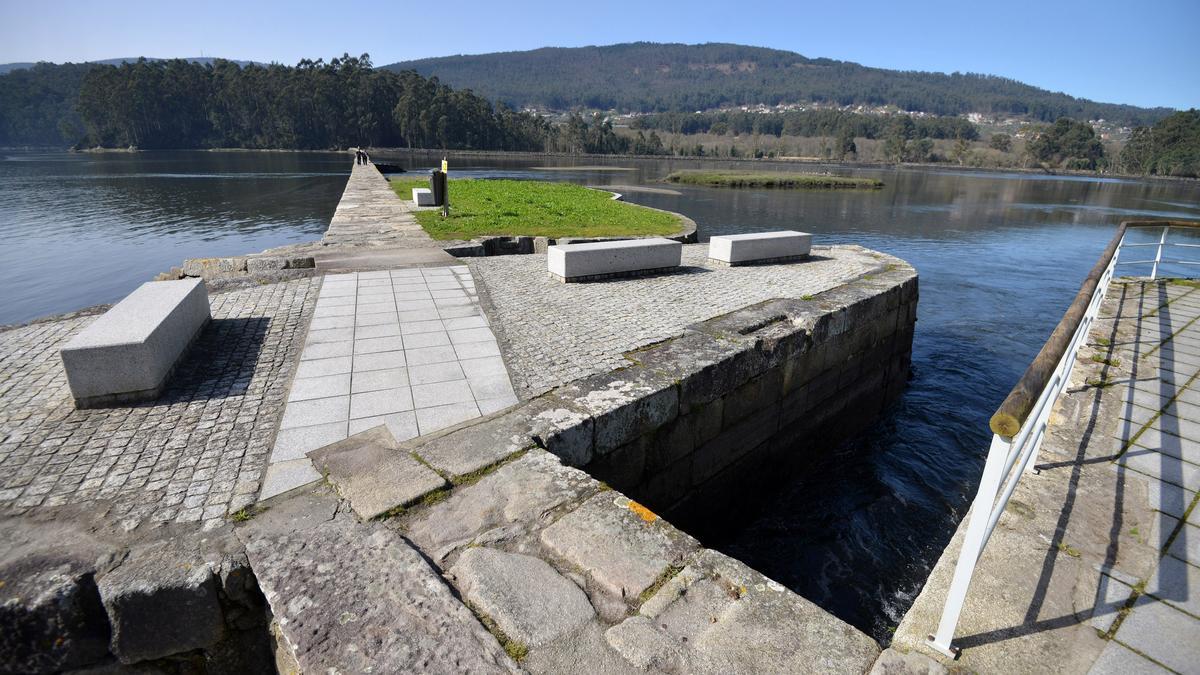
1095	564
370	213
407	348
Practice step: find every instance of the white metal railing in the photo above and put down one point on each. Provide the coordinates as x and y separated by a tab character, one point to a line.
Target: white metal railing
1020	451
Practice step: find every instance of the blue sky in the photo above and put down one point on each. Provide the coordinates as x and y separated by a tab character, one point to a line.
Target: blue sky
1144	53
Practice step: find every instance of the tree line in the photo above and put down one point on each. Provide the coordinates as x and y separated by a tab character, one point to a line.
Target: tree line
313	105
179	104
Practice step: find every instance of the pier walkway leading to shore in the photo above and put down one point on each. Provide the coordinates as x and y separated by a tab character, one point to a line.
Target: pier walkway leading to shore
1095	564
373	229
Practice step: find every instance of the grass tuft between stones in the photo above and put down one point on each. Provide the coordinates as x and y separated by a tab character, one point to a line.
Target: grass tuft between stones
473	477
667	575
242	515
516	649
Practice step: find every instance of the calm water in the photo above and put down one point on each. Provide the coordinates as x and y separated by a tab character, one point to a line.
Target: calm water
1000	258
80	230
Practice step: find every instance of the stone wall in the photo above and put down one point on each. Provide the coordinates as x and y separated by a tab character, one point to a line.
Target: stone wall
736	401
72	600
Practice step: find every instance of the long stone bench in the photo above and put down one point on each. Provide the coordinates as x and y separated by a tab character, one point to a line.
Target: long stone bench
423	197
605	259
129	352
759	247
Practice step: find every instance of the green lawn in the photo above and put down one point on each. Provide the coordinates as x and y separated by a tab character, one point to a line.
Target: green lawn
765	179
536	209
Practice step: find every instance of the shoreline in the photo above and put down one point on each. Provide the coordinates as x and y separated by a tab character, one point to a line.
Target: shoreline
521	154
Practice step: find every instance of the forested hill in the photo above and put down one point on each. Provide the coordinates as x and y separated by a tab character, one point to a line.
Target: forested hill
651	77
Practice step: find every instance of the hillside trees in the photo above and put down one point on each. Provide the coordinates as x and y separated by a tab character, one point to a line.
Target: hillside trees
313	105
650	77
1169	148
1068	144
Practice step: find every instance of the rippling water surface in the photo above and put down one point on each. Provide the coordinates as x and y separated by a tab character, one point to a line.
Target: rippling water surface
83	229
1000	257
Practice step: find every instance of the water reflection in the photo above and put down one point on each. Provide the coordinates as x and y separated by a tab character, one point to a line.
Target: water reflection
87	229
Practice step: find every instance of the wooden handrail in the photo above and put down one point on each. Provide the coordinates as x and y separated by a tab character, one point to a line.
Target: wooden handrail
1015	409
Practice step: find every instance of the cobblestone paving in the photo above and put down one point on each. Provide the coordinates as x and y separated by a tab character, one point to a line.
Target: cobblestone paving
194	455
552	333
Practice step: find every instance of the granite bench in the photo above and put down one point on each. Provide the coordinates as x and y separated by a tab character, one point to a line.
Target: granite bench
605	259
129	352
759	248
423	197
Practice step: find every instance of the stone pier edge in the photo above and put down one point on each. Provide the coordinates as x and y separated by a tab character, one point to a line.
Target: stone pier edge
566	423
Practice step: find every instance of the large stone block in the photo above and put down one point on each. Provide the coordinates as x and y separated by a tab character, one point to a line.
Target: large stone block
579	262
371	472
620	545
51	619
129	352
354	597
624	404
265	264
741	249
161	601
518	498
721	609
527	598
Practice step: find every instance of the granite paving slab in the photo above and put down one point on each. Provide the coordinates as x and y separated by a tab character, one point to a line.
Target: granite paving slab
370	471
383	361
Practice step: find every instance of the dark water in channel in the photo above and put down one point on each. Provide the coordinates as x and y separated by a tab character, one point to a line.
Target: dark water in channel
1000	257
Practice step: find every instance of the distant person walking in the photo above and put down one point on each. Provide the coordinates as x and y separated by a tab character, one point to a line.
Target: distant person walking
358	157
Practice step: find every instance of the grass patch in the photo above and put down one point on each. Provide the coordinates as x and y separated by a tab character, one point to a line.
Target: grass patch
1100	358
791	181
241	516
535	209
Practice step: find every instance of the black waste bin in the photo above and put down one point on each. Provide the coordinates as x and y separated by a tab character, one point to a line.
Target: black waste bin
437	184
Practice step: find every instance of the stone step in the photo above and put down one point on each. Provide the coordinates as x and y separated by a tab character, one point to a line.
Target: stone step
371	472
355	597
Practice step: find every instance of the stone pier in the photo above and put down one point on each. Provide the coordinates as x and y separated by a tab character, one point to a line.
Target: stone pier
409	463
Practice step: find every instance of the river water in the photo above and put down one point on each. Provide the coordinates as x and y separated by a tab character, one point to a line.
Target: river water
1000	257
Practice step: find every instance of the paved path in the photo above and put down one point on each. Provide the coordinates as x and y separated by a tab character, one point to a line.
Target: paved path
1158	440
370	213
1095	565
409	348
